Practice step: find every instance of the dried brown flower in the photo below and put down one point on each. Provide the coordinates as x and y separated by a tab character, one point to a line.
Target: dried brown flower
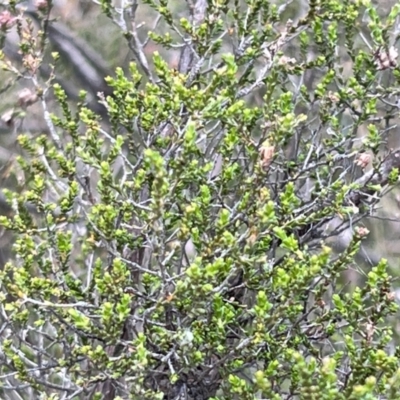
363	160
386	58
333	97
267	153
284	60
361	231
370	330
8	117
26	97
31	63
391	296
7	20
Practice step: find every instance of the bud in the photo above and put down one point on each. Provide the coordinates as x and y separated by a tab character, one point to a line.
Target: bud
41	4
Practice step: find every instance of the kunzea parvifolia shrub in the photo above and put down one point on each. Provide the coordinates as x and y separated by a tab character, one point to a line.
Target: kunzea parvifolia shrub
182	243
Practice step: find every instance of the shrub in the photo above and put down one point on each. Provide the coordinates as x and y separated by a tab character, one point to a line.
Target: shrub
179	244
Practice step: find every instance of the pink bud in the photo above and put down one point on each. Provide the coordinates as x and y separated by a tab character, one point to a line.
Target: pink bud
41	4
7	21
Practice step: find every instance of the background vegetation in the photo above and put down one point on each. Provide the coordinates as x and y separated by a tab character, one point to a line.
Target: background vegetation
197	197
